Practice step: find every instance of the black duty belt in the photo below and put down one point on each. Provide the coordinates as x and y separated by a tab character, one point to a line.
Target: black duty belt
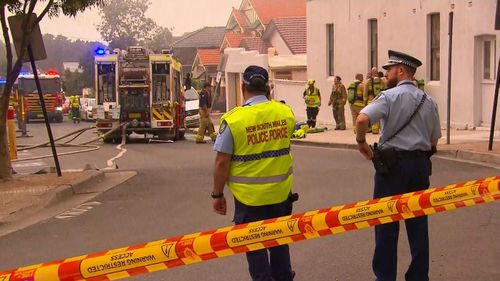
412	153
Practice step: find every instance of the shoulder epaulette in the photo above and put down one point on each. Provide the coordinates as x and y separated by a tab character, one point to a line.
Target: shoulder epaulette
227	114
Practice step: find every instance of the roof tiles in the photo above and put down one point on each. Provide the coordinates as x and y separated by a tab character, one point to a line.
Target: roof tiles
209	57
268	10
206	37
293	30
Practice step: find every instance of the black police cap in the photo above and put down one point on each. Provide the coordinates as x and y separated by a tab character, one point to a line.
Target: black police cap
254	71
396	58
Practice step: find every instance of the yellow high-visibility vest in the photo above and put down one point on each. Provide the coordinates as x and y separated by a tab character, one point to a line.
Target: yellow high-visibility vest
261	164
312	97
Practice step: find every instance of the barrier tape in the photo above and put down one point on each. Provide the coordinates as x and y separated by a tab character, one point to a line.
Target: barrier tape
192	248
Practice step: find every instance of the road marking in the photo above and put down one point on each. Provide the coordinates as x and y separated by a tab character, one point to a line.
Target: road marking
76	211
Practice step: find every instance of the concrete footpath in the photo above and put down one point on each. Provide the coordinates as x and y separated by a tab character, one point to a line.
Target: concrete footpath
467	145
28	194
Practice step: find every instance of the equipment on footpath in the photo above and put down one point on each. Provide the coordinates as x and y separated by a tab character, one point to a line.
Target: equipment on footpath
141	89
197	247
11	128
52	94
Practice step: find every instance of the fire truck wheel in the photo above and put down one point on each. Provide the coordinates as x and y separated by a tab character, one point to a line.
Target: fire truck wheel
58	119
179	135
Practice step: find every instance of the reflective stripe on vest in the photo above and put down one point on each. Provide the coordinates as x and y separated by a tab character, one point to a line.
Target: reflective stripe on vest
312	99
261	180
261	165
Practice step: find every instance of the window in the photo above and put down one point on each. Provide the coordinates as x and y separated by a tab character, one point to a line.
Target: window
489	60
330	54
434	46
283	75
373	40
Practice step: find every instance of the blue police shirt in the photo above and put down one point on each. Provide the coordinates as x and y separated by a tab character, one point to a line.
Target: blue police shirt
394	107
224	142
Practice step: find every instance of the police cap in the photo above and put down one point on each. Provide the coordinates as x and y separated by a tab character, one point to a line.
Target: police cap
396	58
255	72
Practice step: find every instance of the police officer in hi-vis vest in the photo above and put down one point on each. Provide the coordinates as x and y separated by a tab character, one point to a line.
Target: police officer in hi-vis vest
254	160
312	97
410	133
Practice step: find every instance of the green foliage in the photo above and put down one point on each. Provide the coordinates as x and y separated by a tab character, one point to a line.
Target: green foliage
13	65
124	23
61	49
73	82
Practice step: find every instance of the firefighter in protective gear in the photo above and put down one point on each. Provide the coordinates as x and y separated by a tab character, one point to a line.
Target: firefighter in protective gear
312	98
338	99
254	159
74	103
373	86
420	83
357	98
205	121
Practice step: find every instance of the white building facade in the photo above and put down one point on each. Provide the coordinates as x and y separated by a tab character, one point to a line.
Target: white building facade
345	37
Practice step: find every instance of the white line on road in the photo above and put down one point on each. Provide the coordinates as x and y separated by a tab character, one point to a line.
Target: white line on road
78	210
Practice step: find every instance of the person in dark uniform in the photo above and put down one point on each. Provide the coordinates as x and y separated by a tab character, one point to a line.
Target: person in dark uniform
204	110
257	170
410	133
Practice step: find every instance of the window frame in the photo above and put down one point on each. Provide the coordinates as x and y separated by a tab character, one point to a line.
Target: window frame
434	47
330	49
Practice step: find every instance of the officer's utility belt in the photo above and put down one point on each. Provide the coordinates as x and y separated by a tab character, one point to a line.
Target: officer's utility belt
386	160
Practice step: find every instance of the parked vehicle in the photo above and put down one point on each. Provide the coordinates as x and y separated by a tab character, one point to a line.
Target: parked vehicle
192	99
52	95
89	109
142	90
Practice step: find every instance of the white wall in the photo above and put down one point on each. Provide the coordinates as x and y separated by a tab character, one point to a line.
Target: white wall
279	44
238	60
403	26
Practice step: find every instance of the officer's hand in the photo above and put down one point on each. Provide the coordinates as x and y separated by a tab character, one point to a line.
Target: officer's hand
219	206
365	149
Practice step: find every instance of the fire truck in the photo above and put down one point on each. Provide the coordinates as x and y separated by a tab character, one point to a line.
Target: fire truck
138	92
52	94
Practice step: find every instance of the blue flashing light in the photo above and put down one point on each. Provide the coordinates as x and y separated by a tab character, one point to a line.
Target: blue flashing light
3	81
100	51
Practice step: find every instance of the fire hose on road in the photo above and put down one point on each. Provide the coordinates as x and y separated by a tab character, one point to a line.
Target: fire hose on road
86	145
226	241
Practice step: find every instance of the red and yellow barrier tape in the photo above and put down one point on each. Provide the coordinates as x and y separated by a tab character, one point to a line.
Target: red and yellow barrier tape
192	248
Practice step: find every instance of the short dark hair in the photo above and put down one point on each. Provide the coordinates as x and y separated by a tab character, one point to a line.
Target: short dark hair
410	70
257	85
206	84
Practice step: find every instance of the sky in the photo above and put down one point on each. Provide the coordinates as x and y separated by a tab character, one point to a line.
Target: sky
179	15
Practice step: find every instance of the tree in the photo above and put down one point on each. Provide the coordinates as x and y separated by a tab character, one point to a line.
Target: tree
51	8
162	39
73	82
124	22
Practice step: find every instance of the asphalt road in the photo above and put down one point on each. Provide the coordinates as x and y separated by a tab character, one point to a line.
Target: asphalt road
170	197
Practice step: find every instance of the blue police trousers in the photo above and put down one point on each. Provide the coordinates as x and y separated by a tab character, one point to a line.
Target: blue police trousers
271	264
412	174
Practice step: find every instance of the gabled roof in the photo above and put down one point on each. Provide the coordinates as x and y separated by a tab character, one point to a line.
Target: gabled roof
209	57
254	44
267	10
206	37
293	30
240	18
233	39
